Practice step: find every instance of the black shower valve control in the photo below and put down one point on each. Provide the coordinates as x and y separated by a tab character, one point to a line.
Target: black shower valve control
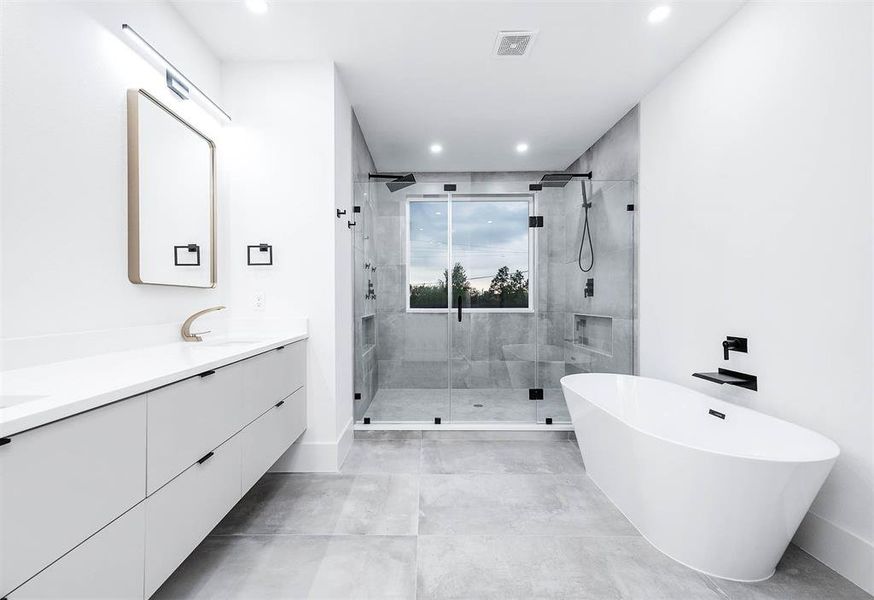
589	290
734	344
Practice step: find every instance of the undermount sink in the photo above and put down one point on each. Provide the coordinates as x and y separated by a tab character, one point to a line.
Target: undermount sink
7	400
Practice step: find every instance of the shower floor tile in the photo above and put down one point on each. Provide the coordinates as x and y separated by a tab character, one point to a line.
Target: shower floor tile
496	405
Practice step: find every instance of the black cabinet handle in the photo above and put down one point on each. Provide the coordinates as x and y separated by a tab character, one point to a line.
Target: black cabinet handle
208	373
206	457
280	403
281	347
459	309
4	441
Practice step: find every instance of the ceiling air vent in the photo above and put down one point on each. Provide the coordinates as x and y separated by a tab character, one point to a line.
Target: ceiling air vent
514	43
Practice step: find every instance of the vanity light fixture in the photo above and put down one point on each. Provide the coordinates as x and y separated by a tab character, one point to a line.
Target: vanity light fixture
178	83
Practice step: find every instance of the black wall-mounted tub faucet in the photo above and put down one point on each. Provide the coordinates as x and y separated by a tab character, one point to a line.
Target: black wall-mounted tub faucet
734	344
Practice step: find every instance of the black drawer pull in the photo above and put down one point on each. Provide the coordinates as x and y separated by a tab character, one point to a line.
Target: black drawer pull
281	347
205	458
280	403
4	441
208	373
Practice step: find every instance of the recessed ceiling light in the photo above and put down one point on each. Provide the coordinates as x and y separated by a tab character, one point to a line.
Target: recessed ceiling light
436	148
259	7
521	147
659	14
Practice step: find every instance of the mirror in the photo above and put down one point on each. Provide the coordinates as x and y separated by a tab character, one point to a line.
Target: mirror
171	197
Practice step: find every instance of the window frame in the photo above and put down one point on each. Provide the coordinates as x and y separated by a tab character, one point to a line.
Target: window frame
449	199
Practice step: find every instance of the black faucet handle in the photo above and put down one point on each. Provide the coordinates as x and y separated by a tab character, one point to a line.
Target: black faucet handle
734	344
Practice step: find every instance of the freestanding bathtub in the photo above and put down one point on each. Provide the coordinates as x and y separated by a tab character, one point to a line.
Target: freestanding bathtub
721	493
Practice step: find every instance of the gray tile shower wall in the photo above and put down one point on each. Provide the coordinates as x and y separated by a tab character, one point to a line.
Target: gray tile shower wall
614	162
366	340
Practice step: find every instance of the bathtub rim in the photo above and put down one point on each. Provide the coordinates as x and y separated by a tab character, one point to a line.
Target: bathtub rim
835	447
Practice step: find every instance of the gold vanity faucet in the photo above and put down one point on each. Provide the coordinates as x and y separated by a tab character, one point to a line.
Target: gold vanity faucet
186	326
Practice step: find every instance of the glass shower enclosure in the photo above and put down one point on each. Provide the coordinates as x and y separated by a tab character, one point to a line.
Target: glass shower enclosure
473	296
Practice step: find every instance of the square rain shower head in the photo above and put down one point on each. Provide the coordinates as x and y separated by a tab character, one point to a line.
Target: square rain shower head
400	183
556	179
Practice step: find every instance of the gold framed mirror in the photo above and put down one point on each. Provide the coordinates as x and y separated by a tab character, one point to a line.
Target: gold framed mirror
171	197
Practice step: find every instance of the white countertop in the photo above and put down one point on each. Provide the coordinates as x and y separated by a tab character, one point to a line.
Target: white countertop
41	394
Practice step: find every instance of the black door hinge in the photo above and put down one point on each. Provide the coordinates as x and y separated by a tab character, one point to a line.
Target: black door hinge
437	420
449	187
356	209
629	207
535	221
357	396
535	187
535	394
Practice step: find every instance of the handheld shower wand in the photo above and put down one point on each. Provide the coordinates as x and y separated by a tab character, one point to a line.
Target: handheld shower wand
587	233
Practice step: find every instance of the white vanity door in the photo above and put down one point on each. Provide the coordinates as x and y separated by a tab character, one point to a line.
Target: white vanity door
106	566
271	434
190	418
64	481
273	376
183	512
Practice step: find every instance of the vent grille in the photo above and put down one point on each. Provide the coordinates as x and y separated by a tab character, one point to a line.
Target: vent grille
514	43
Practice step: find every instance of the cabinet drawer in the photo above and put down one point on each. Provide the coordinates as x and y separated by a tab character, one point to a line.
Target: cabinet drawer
106	566
190	418
64	481
265	440
272	376
182	513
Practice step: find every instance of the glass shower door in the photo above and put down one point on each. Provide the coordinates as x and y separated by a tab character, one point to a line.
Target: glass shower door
492	325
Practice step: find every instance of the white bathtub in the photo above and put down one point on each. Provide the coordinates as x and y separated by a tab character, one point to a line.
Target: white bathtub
722	496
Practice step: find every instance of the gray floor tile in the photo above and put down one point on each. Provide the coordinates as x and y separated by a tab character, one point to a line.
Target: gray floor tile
383	456
387	434
280	566
552	567
517	504
471	456
799	576
326	504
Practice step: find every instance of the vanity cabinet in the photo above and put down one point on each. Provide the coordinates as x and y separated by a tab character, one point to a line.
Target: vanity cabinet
106	566
192	417
179	515
108	503
61	483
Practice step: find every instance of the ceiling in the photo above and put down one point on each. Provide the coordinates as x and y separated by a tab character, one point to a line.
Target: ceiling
420	72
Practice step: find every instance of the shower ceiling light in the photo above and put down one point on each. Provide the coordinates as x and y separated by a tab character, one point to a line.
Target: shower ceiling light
436	148
259	7
659	14
521	147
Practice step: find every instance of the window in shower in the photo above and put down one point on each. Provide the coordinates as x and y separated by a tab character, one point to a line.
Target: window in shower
476	249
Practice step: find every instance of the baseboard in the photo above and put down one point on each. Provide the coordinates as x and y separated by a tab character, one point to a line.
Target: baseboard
845	552
316	457
308	457
344	443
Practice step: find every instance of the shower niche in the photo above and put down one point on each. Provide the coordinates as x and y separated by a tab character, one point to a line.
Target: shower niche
594	333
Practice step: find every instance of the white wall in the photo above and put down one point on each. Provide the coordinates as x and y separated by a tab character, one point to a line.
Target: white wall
756	220
63	181
287	158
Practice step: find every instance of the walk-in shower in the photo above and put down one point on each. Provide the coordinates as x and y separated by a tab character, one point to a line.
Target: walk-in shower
470	303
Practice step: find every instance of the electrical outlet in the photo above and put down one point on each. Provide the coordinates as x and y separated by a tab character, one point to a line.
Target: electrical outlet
259	301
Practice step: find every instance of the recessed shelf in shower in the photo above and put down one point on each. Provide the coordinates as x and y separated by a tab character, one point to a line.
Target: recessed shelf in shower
594	333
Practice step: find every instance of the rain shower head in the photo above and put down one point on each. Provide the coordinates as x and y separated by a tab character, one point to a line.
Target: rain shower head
561	179
398	182
401	182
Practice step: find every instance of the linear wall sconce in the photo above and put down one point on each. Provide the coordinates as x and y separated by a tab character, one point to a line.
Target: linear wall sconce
178	83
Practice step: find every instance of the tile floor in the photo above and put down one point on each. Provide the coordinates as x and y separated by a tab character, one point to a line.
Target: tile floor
499	405
455	518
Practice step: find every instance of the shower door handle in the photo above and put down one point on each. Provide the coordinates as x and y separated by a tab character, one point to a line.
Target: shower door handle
459	309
